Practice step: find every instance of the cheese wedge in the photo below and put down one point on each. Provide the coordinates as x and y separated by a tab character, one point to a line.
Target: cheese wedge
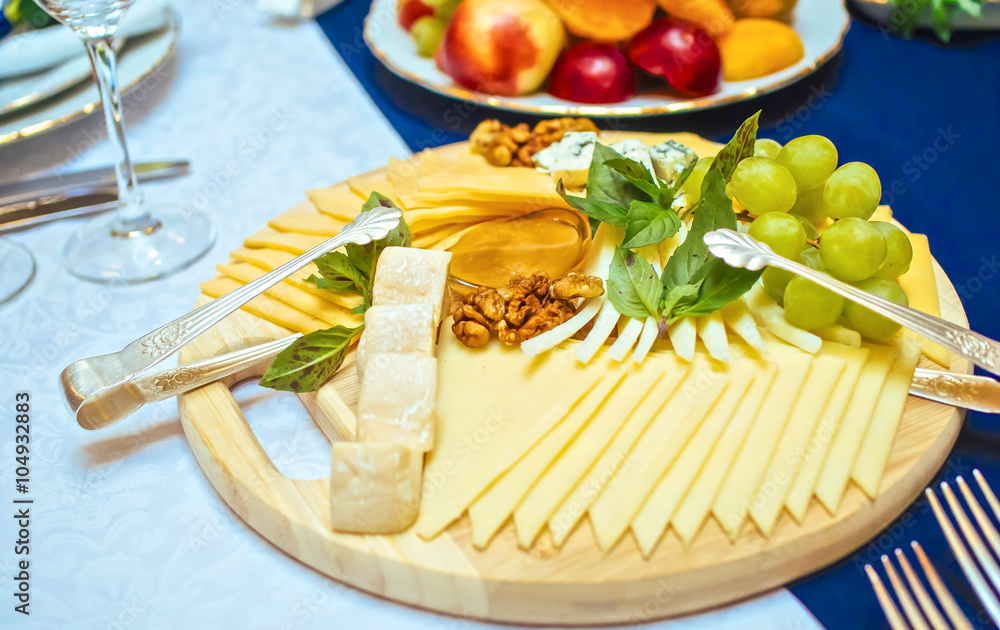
870	463
847	442
374	488
398	329
491	510
651	522
697	504
664	439
397	400
305	315
406	275
920	285
818	448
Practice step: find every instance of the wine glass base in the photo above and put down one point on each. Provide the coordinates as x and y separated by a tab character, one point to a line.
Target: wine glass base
17	268
100	254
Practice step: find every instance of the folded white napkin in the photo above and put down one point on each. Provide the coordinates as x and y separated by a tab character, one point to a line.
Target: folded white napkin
36	50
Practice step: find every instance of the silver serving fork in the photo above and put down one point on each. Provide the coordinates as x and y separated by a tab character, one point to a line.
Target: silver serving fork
86	378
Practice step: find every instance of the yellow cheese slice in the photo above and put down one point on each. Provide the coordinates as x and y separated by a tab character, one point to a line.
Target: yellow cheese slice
823	436
656	450
269	238
271	259
870	463
377	181
339	201
494	404
559	480
441	238
246	272
651	522
920	285
732	504
769	497
565	519
307	222
266	307
695	507
315	307
491	510
846	443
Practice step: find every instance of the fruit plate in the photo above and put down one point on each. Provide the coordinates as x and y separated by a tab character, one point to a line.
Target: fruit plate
544	585
820	24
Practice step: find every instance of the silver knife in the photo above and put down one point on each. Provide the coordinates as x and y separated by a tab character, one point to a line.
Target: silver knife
29	194
979	393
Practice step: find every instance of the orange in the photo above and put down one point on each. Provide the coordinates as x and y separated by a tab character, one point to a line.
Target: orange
712	15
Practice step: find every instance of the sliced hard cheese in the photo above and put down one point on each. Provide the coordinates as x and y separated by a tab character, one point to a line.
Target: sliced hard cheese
305	320
408	276
840	334
397	399
654	516
492	509
377	181
737	316
374	488
559	480
600	474
339	201
290	242
307	302
731	506
305	219
870	464
846	443
698	503
920	285
823	436
712	332
683	335
270	259
400	329
772	317
246	273
656	450
494	404
767	501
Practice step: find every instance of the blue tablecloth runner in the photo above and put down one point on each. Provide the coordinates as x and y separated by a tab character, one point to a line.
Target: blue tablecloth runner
926	117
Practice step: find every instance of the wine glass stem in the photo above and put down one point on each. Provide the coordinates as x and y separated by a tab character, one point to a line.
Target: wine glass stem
131	218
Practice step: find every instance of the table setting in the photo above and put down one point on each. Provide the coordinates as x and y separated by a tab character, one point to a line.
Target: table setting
461	313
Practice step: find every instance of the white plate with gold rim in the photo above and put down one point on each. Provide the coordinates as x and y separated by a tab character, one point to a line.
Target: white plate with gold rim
140	58
821	24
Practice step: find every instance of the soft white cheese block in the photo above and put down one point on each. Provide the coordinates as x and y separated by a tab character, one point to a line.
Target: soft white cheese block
568	159
375	487
406	275
399	328
397	399
670	158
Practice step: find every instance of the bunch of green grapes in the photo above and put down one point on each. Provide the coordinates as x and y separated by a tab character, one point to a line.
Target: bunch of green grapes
869	254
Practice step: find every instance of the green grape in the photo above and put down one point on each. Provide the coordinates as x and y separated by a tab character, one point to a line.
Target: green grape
762	185
428	32
809	204
811	160
812	234
867	322
853	190
775	280
899	251
852	249
782	233
692	185
810	306
765	147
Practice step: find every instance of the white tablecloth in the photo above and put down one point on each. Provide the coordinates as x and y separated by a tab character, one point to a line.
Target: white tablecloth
125	530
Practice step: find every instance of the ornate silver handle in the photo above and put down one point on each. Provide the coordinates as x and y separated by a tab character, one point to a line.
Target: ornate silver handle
979	393
115	403
86	377
742	250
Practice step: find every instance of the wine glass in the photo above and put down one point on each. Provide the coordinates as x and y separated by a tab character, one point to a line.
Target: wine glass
17	268
140	241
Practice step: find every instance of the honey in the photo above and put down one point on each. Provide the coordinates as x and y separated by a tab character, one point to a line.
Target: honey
554	241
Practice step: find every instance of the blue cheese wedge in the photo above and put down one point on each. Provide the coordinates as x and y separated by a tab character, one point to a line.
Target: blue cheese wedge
375	487
636	150
669	159
397	401
568	159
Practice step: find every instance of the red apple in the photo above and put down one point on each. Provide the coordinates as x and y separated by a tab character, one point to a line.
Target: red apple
592	73
412	10
680	52
502	47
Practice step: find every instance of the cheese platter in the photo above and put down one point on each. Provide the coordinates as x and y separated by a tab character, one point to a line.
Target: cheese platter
519	436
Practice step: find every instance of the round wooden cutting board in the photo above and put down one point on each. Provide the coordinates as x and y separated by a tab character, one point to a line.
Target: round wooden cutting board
575	585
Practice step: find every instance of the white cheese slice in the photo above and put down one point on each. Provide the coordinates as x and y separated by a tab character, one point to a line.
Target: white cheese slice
374	488
397	399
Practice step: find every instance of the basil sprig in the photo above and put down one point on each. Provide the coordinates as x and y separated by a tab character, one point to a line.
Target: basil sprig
315	357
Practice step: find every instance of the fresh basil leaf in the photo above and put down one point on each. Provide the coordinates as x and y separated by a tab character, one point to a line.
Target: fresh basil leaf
311	360
606	211
720	284
631	169
654	191
714	211
678	298
741	146
633	288
364	257
648	224
338	273
606	184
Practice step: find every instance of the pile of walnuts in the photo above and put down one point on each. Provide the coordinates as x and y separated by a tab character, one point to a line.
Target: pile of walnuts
503	145
524	309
